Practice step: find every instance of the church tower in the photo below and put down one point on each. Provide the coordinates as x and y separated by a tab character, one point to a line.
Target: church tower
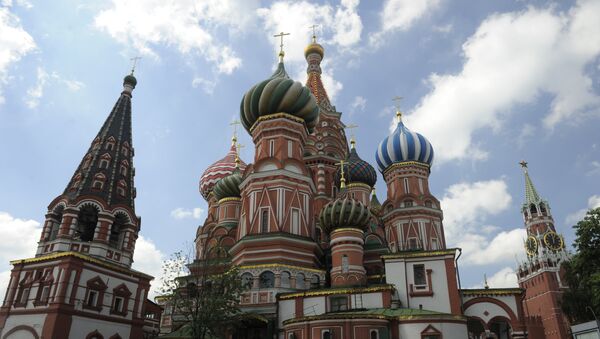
542	276
80	282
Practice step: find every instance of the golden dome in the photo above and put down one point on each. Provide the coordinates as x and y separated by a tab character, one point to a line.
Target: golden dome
314	48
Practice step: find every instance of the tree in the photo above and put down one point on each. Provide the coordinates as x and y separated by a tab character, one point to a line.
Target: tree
204	295
583	271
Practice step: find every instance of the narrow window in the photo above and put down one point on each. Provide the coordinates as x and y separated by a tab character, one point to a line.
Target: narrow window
92	298
419	276
264	221
295	221
406	187
345	264
290	151
272	147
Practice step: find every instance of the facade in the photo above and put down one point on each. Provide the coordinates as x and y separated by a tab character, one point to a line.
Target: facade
80	283
323	258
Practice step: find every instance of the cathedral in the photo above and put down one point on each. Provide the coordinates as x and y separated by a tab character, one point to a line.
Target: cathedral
320	255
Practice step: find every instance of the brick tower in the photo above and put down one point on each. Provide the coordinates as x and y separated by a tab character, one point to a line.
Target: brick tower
80	283
542	276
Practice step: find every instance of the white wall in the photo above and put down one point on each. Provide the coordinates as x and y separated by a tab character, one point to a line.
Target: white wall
80	327
34	320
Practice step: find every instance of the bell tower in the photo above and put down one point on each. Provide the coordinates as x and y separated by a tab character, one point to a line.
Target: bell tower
541	276
80	282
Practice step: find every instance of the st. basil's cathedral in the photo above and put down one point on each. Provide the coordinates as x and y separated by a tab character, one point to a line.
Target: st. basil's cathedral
321	256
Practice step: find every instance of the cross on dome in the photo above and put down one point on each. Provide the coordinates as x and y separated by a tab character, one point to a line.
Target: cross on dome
281	52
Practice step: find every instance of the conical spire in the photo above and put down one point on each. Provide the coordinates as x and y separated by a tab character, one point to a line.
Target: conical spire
531	194
106	170
314	54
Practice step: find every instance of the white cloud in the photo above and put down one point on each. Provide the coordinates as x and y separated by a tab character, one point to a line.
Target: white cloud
358	104
188	25
19	241
15	43
504	278
466	208
573	218
400	15
35	93
148	259
511	59
184	213
208	86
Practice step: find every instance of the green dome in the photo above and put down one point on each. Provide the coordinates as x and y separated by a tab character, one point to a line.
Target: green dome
130	80
344	212
229	186
279	94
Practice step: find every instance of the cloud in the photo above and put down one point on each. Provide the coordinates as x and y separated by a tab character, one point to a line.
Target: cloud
358	104
573	218
190	26
35	93
207	86
466	208
504	278
401	15
512	59
183	213
15	43
148	259
19	241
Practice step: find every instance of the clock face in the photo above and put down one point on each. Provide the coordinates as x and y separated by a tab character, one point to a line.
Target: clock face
531	245
553	241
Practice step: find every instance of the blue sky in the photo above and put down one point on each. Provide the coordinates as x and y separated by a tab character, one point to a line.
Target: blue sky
489	83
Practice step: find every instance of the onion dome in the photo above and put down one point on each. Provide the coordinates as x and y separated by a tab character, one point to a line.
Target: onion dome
219	170
344	212
403	145
229	186
356	170
279	94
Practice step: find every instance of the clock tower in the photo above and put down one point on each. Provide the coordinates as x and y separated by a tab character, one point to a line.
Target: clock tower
542	275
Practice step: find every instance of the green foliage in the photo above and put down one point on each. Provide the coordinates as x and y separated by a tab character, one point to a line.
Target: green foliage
207	302
583	271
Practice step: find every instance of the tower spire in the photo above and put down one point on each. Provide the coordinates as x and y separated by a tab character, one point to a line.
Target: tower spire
531	194
106	170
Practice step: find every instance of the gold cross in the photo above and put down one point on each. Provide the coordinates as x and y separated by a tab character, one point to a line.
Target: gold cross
342	179
281	53
351	127
235	124
314	37
134	62
397	99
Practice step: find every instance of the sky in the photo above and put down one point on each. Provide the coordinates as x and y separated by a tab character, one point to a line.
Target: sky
489	83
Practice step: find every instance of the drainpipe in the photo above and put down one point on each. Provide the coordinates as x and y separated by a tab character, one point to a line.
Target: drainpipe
458	276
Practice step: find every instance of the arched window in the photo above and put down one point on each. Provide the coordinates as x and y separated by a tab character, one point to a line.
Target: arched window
116	230
300	283
99	180
532	209
314	281
264	220
247	280
266	280
285	279
86	222
56	220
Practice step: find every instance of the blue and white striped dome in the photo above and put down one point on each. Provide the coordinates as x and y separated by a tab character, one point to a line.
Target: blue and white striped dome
403	145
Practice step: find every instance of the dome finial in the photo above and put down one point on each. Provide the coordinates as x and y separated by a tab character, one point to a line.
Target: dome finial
281	52
397	99
351	127
342	178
